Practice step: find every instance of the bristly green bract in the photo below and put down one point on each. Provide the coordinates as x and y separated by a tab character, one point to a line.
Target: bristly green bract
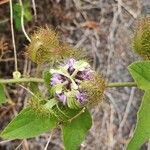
45	46
94	89
141	44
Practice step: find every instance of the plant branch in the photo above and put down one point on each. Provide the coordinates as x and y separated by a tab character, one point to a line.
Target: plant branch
122	84
12	33
40	80
21	80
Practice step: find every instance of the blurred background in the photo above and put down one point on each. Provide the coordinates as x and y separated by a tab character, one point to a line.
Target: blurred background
104	28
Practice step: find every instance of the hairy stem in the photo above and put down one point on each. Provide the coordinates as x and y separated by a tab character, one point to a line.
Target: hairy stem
122	84
40	80
21	80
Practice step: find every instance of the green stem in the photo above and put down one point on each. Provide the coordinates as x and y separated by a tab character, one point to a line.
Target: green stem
21	80
40	80
74	117
122	84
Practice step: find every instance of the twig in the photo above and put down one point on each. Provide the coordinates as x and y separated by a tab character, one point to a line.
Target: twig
19	145
34	9
111	38
4	21
25	145
6	141
148	145
49	139
12	33
126	112
114	105
130	11
28	91
111	128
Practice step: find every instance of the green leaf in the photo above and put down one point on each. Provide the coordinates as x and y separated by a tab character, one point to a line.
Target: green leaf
66	113
28	124
2	94
75	131
27	14
142	130
17	13
140	71
141	74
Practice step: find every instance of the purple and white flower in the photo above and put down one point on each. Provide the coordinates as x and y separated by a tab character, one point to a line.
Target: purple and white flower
70	75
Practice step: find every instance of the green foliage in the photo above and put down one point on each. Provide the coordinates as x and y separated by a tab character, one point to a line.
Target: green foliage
75	131
141	74
140	71
2	94
142	130
17	13
28	124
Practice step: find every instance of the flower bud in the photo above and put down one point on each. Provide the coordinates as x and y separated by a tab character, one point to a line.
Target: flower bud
16	75
43	44
141	39
46	47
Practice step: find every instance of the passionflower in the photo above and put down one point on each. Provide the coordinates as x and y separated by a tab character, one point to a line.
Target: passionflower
67	80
